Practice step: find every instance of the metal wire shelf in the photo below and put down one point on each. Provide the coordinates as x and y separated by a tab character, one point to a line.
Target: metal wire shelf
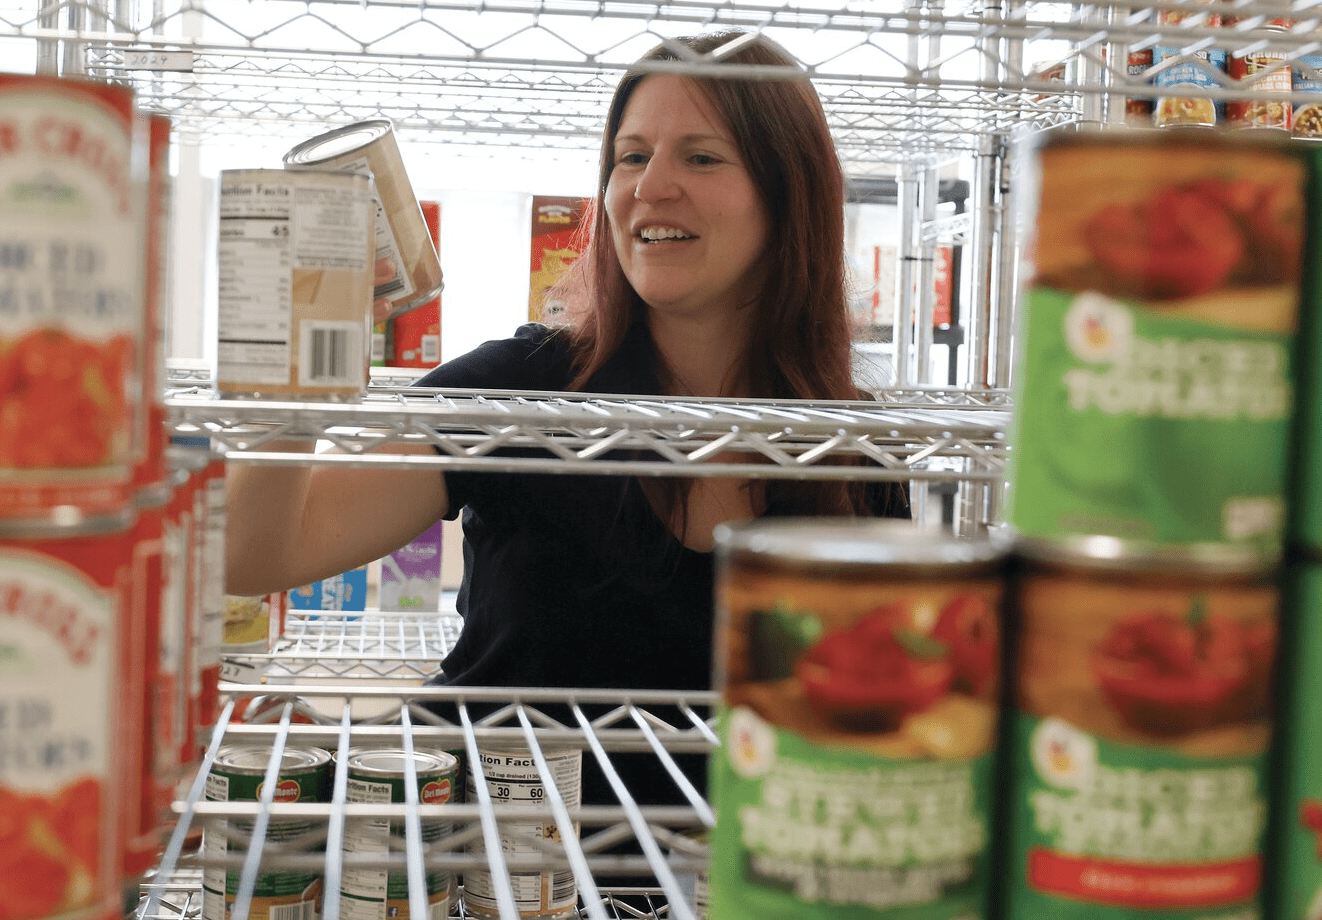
950	435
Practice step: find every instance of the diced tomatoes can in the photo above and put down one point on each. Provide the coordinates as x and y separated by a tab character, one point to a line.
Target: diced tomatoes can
859	668
1305	504
385	776
1139	731
73	171
303	774
1295	848
1149	350
66	720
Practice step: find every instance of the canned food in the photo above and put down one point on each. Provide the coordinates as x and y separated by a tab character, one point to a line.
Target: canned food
1181	86
68	721
1296	863
1160	329
1138	109
858	663
1139	732
1306	83
402	241
71	302
381	776
237	775
1267	73
295	268
415	337
510	776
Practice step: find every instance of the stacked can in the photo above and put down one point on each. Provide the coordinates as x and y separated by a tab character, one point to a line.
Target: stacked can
859	667
73	162
1182	78
1268	73
1149	455
1296	858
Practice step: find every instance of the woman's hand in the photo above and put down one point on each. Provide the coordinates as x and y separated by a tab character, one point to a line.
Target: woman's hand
381	306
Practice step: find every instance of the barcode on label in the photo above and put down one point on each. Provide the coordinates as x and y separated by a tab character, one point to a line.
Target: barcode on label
304	910
327	353
563	887
431	349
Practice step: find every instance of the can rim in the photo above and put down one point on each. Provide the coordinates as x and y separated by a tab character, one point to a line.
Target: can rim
311	150
392	762
253	759
1105	553
861	542
65	521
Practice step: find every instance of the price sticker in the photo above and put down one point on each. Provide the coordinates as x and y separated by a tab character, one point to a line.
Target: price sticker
156	59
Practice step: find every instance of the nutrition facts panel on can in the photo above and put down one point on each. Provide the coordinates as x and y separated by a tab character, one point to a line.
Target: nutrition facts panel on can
255	266
512	778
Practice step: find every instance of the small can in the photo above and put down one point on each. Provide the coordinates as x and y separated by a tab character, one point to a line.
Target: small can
237	775
1160	327
73	170
381	775
68	720
1295	854
402	241
1138	109
510	776
1268	73
1306	83
295	276
1181	87
1139	731
859	667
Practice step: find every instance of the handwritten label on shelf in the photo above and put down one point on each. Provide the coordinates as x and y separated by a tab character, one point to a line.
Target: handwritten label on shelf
240	672
155	59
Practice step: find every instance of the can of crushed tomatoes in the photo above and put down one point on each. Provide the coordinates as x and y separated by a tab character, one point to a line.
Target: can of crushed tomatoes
1139	726
66	716
72	171
859	666
1159	336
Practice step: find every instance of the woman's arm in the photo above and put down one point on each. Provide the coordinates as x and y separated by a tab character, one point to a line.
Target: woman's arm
288	526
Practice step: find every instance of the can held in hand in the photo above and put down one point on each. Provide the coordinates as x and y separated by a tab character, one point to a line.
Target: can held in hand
382	776
859	667
295	267
1159	337
402	240
238	775
1139	732
510	776
73	165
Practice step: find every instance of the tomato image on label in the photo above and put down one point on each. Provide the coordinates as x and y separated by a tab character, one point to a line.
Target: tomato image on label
872	675
63	400
48	850
1167	675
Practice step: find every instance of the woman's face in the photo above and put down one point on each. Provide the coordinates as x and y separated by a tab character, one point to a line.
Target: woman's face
689	226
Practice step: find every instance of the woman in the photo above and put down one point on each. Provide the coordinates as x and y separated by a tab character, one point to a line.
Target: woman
715	269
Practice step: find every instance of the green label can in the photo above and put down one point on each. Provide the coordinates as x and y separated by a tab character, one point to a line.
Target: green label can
1296	846
1159	331
859	668
1137	750
238	775
381	776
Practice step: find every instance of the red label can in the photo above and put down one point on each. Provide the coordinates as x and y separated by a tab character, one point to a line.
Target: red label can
72	168
64	633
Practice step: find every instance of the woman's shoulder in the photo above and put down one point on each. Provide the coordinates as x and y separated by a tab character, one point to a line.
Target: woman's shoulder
534	357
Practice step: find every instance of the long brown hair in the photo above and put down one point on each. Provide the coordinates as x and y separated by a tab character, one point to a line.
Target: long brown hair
799	346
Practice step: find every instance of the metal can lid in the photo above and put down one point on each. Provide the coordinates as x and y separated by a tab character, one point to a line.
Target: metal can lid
64	521
393	762
1115	554
253	759
855	543
338	141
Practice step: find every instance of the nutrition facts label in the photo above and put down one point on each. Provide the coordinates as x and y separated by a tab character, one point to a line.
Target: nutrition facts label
512	778
256	266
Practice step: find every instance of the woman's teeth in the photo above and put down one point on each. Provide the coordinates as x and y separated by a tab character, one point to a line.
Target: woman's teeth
652	234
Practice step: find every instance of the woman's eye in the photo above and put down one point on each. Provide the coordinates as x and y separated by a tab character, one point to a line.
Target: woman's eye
704	159
630	159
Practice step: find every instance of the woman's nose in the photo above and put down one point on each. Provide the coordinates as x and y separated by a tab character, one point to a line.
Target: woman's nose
657	182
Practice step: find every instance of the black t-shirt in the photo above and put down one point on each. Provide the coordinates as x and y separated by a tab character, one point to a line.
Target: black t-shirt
572	580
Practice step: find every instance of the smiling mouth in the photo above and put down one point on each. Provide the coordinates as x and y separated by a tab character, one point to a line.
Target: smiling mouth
662	234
